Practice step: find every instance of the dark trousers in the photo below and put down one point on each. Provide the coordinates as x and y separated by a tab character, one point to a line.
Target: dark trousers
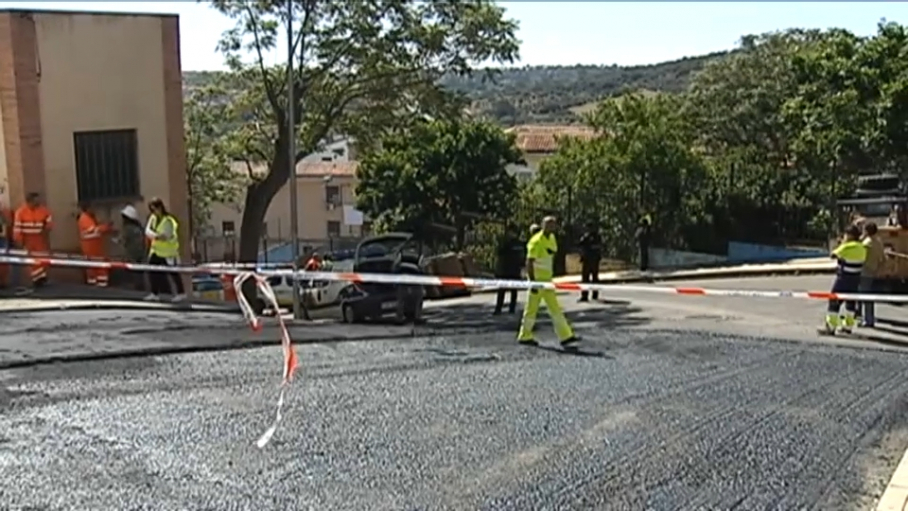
867	309
589	274
844	284
644	258
499	299
160	281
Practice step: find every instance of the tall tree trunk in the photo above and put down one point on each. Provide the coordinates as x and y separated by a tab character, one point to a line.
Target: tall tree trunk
258	199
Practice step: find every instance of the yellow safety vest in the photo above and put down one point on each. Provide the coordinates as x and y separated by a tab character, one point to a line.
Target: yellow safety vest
541	249
166	248
851	256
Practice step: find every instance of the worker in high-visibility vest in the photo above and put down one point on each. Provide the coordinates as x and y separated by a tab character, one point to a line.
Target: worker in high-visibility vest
850	256
32	224
92	239
541	251
163	231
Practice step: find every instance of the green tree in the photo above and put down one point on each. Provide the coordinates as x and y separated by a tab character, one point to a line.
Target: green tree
359	67
447	172
642	162
206	116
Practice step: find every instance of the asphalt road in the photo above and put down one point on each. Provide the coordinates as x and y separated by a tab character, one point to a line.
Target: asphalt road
657	412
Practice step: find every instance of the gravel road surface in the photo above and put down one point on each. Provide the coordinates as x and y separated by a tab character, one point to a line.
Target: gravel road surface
675	402
642	419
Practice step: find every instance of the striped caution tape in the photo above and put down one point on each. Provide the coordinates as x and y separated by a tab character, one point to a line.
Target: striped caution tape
465	282
79	257
290	359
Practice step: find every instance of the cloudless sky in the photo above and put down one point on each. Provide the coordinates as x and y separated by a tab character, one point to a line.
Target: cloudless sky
571	32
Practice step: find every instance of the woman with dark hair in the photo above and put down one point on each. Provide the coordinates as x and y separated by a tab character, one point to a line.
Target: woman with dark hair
161	229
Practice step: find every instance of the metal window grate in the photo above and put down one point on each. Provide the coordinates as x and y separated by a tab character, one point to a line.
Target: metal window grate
107	164
334	228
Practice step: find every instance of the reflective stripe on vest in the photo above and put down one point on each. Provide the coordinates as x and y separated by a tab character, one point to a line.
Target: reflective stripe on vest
166	248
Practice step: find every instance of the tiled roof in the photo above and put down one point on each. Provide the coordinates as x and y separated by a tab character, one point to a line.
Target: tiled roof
326	168
540	138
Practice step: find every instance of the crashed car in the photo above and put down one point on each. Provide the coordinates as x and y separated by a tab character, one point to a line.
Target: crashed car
392	253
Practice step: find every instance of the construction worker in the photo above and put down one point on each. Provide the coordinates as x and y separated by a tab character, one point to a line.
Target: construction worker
133	241
590	257
541	250
314	262
32	224
644	236
509	260
850	255
873	263
92	238
162	230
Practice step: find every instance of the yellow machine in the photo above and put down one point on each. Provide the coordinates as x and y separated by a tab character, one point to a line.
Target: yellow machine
882	200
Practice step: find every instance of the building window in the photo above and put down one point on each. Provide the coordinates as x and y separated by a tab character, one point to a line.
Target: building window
228	228
334	229
332	196
107	165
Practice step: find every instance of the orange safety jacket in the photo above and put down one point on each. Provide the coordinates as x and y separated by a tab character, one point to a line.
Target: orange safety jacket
31	226
91	235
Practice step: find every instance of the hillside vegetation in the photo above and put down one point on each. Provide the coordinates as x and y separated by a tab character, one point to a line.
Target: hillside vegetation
550	94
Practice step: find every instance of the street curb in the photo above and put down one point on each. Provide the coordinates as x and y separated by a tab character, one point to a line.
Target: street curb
895	497
121	306
696	275
177	350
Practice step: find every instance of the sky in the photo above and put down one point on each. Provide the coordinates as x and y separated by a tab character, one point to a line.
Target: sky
566	33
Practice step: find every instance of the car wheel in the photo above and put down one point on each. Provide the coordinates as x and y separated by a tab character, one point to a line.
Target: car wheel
347	313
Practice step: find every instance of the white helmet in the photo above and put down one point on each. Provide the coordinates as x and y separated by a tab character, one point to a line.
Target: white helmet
130	212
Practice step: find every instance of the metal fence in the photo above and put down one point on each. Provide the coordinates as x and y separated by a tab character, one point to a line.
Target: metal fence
274	250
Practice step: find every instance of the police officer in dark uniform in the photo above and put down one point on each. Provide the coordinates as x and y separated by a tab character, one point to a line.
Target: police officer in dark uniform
509	262
590	255
644	235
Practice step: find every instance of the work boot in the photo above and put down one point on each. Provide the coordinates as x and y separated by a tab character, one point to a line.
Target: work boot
528	342
826	330
570	342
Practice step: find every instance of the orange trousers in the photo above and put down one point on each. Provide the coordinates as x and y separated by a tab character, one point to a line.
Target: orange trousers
95	276
36	244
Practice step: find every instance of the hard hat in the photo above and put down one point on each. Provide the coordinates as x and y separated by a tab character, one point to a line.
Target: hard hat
534	228
129	212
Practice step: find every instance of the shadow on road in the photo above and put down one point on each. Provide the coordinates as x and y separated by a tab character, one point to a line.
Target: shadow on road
887	331
610	314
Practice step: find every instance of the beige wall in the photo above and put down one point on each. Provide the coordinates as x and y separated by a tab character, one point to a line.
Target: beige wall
4	172
100	73
314	214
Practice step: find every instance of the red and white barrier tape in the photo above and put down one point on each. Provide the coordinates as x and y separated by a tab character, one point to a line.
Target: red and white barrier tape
290	359
468	282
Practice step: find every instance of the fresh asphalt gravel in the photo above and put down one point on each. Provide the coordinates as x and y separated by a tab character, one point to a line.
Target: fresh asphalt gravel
638	420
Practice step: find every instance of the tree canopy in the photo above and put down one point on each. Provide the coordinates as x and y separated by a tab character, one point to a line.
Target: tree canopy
359	69
208	164
758	147
439	173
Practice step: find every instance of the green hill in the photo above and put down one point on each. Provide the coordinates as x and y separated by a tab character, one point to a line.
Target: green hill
550	94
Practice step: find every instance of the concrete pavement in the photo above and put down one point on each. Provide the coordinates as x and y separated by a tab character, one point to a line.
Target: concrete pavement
69	333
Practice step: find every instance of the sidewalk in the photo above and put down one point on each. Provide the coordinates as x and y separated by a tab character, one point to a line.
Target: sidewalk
73	296
812	265
29	339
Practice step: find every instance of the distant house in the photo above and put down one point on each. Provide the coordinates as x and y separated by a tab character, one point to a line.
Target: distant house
538	141
325	182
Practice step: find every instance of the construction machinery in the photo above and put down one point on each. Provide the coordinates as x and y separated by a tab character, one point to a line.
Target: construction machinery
882	199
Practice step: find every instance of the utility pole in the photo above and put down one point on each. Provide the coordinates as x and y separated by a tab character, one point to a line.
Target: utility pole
291	160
